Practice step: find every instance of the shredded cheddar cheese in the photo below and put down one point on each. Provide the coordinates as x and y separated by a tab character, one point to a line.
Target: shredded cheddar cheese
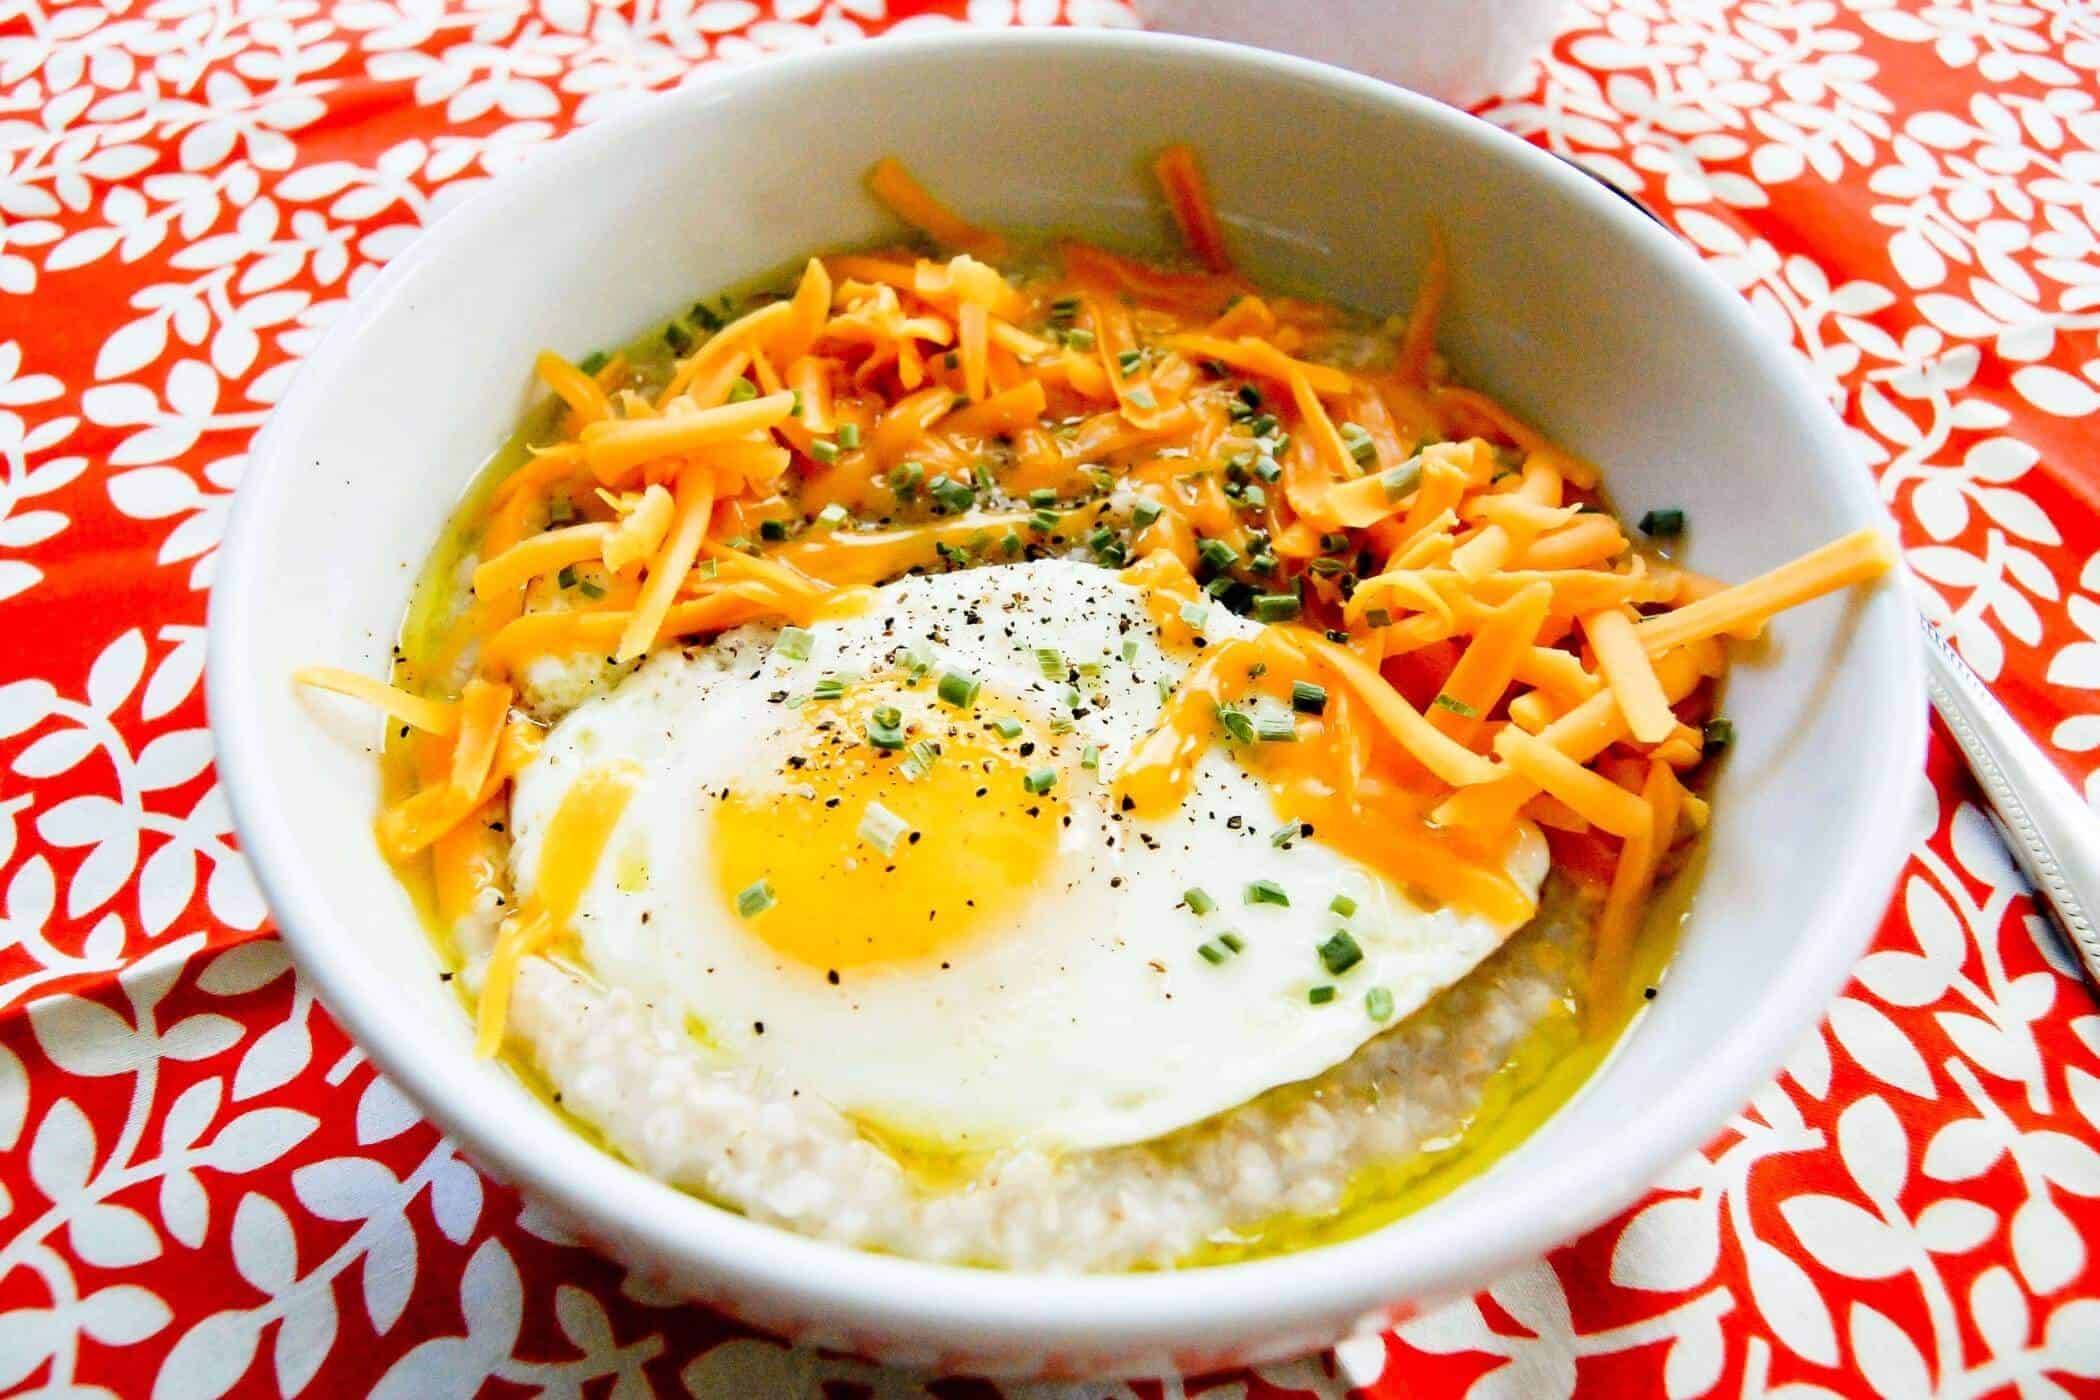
1459	637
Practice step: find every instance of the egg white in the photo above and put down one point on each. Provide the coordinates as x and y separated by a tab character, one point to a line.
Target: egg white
1080	1017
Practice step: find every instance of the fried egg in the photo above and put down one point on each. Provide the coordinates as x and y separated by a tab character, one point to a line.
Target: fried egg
883	859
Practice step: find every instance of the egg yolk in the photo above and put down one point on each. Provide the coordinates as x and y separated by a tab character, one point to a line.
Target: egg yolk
978	842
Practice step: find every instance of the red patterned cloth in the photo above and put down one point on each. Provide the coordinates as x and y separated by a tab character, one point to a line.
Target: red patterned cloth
204	1189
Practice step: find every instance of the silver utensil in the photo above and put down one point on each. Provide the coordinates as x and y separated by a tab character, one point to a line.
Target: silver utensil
2053	835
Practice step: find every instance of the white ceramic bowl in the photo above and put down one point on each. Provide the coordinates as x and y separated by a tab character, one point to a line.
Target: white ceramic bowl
1589	319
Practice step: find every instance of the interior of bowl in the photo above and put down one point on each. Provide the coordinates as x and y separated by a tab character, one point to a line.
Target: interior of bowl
1565	304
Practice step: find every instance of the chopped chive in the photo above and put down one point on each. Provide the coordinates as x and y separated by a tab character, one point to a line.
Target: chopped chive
918	659
1236	724
1041	780
1267	892
824	450
1663	523
1129	360
772	531
1145	512
678	338
1340	953
1308	698
1195	614
1044	521
754	899
1269	470
1211	953
1142	397
905	478
957	496
593	362
829	688
794	643
795	404
1199	902
1090	756
560	511
1378	1004
590	590
567	577
1342	905
1218	554
1276	607
849	436
1233	941
886	728
1402	479
741	390
1080	338
882	828
1455	706
1378	617
1042	497
1718	734
1008	727
1011	543
919	759
833	516
1276	728
1357	439
959	689
1130	651
1283	835
1320	996
1051	662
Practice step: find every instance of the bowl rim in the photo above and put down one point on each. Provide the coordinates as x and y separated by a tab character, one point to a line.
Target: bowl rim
1460	1246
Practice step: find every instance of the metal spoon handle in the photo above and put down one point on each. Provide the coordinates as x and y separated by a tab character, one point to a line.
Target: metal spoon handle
2054	836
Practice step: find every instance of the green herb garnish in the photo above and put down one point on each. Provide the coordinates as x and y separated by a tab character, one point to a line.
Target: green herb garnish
754	899
959	689
1340	953
882	828
886	728
1267	892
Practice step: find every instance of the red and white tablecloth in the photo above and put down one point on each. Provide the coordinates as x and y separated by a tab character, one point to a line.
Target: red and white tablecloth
203	1188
